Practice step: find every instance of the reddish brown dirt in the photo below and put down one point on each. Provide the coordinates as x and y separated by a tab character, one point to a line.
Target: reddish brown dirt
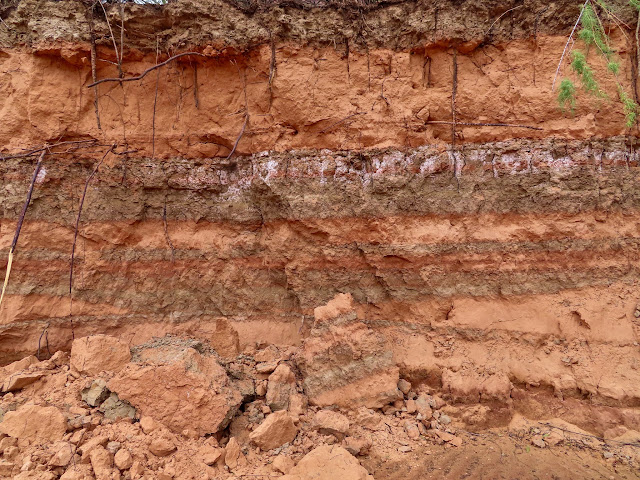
318	99
298	166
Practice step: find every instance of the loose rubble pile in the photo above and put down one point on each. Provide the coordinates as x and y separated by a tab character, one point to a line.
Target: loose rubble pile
175	408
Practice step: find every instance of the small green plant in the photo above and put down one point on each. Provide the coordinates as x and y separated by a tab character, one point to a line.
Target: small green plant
593	34
630	107
567	96
584	71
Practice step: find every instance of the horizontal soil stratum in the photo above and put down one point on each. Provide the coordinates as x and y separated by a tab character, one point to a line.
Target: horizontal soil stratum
273	234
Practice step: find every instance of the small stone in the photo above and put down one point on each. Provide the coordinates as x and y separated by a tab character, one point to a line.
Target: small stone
281	385
6	468
412	429
553	438
437	402
297	405
404	386
210	455
162	446
447	437
190	434
266	409
167	474
79	411
412	407
283	464
8	442
234	457
423	406
538	441
102	463
136	469
96	393
113	447
607	455
261	389
114	408
456	442
268	354
404	449
444	419
78	472
87	447
123	459
20	380
356	446
276	430
266	367
63	455
148	425
10	453
333	423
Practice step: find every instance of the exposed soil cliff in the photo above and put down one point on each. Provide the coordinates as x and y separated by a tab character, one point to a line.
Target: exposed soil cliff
408	156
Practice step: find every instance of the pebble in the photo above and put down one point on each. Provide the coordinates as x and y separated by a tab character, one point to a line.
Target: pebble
404	386
538	441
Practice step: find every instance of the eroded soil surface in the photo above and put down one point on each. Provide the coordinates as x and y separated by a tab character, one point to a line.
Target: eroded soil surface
333	240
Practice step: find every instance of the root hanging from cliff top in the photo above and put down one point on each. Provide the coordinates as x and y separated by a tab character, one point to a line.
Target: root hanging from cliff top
94	73
246	116
113	40
454	92
196	98
498	19
75	234
14	243
155	105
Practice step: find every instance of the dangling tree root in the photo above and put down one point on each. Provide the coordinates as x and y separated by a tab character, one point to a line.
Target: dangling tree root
19	226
